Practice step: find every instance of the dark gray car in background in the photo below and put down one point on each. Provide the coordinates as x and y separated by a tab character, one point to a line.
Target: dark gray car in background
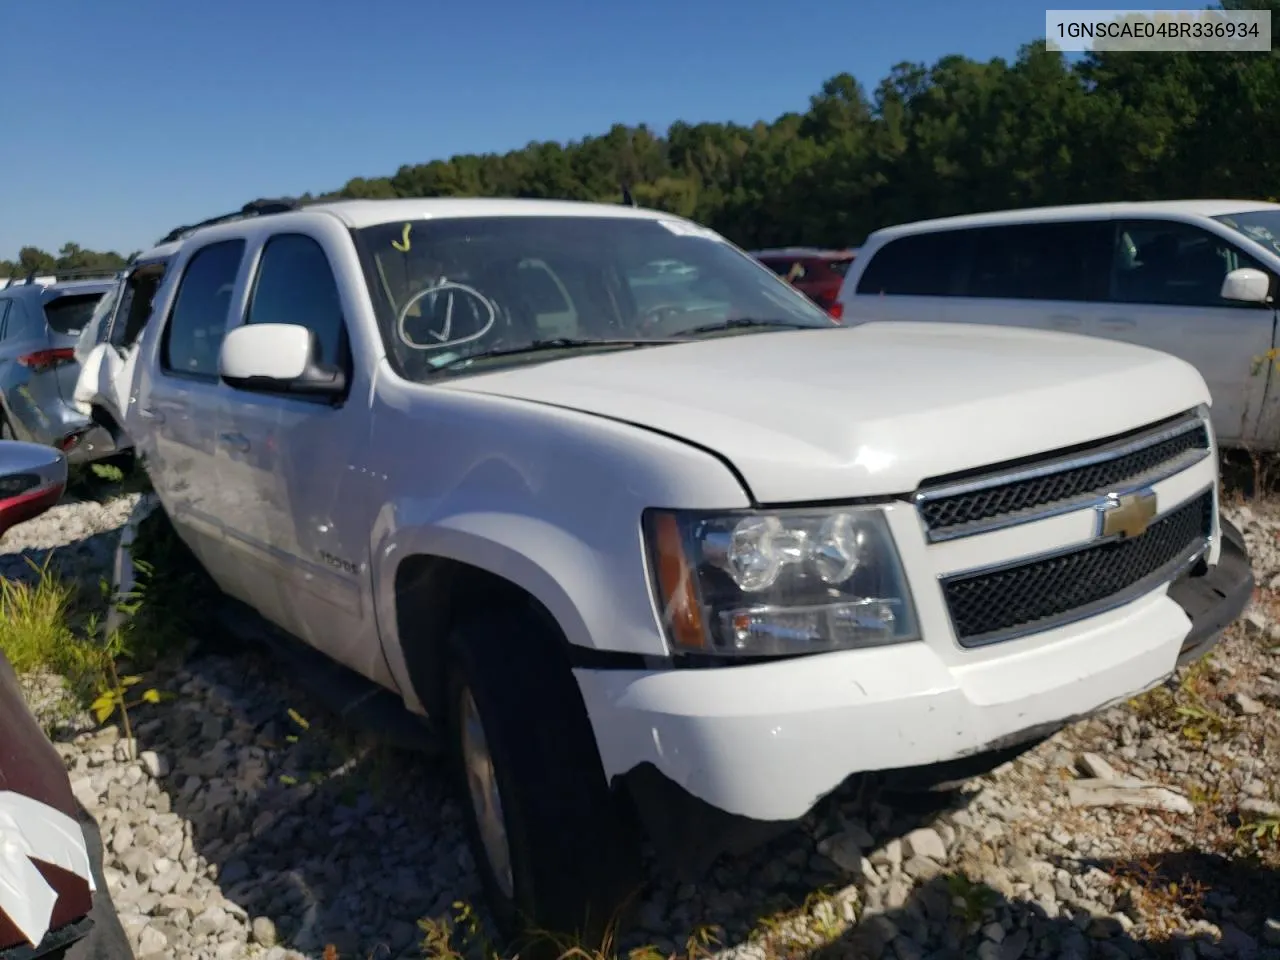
40	321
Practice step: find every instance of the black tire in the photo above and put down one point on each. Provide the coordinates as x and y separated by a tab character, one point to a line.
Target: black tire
574	851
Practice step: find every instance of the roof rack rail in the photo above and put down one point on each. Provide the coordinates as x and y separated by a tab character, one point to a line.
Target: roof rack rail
78	273
254	208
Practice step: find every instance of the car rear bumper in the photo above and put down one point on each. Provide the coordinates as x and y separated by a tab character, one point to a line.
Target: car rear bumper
763	743
97	936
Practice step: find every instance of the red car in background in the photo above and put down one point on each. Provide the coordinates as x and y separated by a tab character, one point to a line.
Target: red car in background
54	902
814	272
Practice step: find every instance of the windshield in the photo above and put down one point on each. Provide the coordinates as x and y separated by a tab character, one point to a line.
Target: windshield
1262	226
450	289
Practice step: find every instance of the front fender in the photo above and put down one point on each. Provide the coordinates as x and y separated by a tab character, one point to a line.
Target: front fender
548	499
520	549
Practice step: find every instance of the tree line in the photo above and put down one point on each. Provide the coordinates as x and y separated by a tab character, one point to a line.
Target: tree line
959	136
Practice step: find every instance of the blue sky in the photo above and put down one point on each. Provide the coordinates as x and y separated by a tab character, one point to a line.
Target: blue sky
126	119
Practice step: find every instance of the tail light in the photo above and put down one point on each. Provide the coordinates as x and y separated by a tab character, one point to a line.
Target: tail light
43	360
836	311
27	504
71	441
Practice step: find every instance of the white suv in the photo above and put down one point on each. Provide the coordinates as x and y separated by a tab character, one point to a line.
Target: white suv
628	530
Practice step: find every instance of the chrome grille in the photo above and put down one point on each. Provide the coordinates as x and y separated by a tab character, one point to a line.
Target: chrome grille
1057	482
1028	596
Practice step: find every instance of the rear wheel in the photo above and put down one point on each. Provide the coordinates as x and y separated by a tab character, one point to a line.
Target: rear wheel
554	847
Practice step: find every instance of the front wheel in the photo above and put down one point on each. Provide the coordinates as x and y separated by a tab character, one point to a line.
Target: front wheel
555	851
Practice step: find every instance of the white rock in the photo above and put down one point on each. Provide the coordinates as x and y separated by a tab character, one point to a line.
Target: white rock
151	941
925	843
1245	705
1094	766
1271	932
155	765
843	850
1258	807
1127	793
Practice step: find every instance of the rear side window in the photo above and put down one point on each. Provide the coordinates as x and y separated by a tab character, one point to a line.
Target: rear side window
841	267
198	320
919	265
4	319
1040	261
71	312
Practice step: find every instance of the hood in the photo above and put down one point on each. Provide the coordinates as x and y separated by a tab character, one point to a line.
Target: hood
46	883
870	410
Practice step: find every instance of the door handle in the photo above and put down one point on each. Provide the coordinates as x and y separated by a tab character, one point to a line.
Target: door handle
146	413
1062	322
237	441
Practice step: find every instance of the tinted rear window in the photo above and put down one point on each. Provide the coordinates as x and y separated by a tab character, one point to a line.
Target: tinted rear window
1040	261
841	266
917	265
70	313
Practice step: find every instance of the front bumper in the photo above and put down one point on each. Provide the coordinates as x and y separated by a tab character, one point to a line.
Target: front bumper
765	742
1216	597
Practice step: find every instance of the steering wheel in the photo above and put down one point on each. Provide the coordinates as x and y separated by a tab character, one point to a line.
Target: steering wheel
652	319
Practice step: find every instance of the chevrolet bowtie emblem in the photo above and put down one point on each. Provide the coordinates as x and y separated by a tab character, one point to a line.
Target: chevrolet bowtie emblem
1127	516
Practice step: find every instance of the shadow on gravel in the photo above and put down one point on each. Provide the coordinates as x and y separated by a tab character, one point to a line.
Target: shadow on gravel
1226	901
338	840
90	551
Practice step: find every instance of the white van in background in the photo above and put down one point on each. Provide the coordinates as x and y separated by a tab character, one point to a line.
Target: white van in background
1194	278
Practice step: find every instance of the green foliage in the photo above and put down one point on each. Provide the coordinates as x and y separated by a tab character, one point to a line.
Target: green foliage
956	137
36	627
40	629
71	257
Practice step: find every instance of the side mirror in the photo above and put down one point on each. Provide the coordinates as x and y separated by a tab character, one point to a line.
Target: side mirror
277	358
32	478
1246	285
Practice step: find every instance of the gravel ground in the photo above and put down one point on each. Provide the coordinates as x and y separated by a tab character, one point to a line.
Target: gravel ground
253	825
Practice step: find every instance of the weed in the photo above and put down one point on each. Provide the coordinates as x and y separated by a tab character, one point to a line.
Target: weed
1185	709
172	598
461	936
969	899
1261	832
36	633
1159	898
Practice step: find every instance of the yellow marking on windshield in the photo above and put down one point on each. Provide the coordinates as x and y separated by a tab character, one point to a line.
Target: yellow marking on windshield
403	243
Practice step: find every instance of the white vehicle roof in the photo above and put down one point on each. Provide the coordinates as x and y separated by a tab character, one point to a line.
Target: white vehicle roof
159	252
1181	209
367	213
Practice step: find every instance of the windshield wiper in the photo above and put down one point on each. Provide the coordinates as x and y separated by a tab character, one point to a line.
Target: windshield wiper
739	322
556	343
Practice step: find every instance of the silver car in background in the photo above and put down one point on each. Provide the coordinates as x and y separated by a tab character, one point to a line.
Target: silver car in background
40	322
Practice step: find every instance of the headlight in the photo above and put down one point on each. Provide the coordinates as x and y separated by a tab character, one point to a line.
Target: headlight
778	583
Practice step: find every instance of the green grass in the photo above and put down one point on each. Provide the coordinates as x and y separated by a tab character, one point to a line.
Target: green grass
37	633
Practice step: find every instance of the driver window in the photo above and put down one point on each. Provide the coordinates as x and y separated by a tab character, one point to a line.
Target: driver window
295	285
1171	263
